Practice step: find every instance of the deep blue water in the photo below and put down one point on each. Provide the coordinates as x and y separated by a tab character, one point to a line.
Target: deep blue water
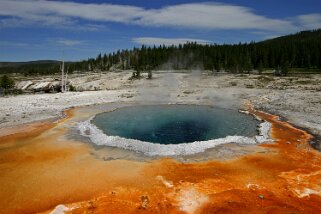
173	124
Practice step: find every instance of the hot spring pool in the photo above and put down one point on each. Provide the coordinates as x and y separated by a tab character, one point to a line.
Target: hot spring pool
170	129
174	124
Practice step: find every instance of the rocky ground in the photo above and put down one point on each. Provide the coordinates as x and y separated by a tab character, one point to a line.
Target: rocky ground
296	98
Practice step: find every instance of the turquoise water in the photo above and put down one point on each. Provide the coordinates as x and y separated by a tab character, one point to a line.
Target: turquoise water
174	124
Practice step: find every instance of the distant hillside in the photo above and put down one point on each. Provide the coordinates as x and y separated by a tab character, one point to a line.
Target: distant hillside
18	64
300	51
302	36
32	67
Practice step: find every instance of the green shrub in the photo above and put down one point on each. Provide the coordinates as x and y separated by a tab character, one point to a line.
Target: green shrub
72	88
6	82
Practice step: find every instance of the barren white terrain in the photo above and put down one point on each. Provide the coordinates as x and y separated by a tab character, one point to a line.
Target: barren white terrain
297	98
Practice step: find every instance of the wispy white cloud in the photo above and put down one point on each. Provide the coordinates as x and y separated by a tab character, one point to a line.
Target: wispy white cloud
62	13
166	41
13	22
18	13
21	45
309	21
68	42
13	44
209	16
212	16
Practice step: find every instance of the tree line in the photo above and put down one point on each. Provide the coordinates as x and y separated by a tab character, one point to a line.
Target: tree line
31	68
301	50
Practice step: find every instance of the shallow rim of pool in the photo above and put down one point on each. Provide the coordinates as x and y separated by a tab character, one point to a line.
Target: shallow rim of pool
99	138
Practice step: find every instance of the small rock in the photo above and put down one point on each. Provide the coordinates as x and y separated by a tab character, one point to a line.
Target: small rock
261	196
87	132
145	201
91	205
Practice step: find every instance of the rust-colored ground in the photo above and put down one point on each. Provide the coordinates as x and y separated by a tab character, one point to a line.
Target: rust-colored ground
40	169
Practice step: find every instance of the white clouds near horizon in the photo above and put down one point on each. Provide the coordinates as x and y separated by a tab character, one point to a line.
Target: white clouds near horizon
309	21
166	41
68	42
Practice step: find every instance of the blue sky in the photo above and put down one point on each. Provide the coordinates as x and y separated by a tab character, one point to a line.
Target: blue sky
78	29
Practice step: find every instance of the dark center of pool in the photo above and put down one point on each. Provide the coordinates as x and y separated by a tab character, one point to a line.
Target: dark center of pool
174	124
